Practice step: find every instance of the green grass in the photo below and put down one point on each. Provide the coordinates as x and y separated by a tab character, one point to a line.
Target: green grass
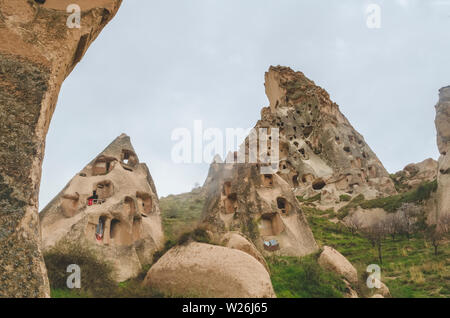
96	275
315	198
181	213
294	277
345	198
409	269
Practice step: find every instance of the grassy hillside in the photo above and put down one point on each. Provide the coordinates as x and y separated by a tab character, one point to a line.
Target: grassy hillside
409	269
181	213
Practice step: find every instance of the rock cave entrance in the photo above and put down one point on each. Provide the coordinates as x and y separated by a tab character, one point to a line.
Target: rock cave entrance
137	225
100	229
267	180
129	206
283	205
144	203
271	224
295	181
129	158
103	165
230	203
318	184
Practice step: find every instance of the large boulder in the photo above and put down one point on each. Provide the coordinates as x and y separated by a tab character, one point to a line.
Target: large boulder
237	241
332	260
37	52
203	270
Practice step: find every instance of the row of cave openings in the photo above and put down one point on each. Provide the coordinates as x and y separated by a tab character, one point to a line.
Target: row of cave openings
113	231
230	199
104	164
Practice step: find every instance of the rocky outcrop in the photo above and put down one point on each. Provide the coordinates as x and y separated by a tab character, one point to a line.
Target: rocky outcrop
237	241
203	270
112	206
37	52
320	151
332	260
263	207
443	141
416	174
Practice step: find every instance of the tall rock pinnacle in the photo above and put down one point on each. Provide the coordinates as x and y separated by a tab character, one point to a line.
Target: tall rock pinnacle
37	52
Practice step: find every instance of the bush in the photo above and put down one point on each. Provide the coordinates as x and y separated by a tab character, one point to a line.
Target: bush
96	275
345	198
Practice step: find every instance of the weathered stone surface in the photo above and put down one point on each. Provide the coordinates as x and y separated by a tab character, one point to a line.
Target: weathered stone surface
203	270
263	207
320	151
332	260
443	141
37	52
416	174
237	241
127	209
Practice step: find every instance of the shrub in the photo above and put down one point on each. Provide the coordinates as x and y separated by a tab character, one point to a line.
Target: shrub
96	275
345	198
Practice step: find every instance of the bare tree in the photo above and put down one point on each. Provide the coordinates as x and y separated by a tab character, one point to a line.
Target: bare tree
354	224
375	233
407	217
437	233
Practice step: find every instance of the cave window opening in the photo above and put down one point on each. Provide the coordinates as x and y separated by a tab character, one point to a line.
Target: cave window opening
100	229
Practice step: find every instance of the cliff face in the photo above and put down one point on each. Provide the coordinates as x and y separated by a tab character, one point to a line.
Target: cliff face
112	206
37	52
443	141
320	151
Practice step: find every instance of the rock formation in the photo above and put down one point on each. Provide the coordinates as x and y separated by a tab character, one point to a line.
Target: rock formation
332	260
112	205
263	207
37	52
320	151
416	174
203	270
443	141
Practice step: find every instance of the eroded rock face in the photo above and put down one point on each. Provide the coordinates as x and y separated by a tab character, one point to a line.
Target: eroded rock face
263	207
203	270
111	205
320	151
416	174
37	52
443	141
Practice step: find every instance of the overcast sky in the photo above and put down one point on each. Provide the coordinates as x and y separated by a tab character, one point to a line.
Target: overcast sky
161	64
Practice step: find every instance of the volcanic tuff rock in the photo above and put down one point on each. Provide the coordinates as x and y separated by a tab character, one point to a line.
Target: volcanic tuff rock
37	52
111	205
320	151
443	141
204	270
263	207
415	174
